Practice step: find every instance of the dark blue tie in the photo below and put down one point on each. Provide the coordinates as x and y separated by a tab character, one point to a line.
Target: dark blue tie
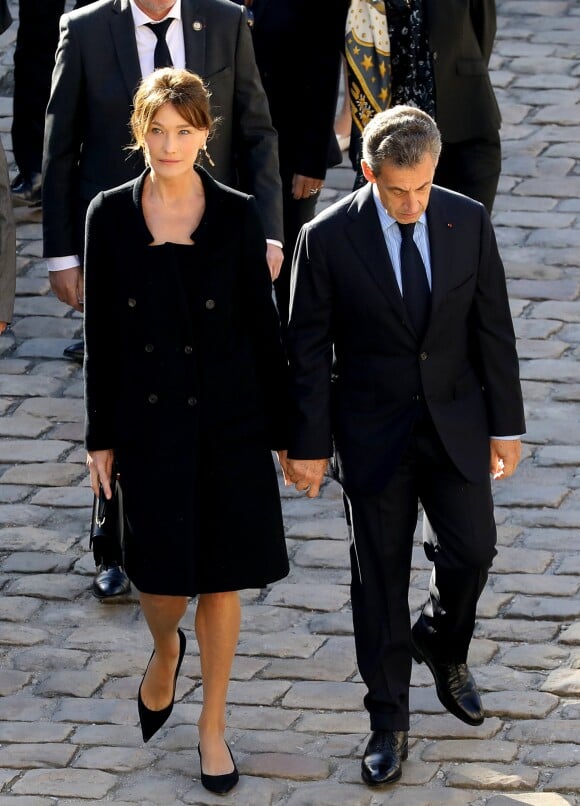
161	56
416	291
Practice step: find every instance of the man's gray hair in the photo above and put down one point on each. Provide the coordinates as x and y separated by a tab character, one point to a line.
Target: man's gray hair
401	136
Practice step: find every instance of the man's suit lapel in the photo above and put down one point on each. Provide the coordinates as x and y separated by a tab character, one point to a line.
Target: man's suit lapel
123	36
194	19
367	237
443	248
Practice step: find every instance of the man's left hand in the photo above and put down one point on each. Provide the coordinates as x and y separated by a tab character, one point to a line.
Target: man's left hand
504	457
305	187
275	258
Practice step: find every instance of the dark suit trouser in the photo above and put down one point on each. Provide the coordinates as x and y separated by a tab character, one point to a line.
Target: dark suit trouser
472	168
297	212
36	42
382	528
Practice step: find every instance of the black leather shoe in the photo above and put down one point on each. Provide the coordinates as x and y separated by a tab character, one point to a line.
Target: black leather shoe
384	755
455	685
219	784
109	581
27	192
75	351
151	720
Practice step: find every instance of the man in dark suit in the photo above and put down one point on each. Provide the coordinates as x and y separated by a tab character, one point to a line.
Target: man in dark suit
301	86
104	50
403	362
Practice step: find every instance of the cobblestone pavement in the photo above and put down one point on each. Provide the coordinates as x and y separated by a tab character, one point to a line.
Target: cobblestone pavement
70	666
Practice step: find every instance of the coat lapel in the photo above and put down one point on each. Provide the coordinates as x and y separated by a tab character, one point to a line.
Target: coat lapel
367	237
442	247
194	19
123	36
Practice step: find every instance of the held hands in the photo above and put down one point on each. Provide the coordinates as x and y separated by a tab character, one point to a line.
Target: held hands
504	457
100	464
69	286
306	474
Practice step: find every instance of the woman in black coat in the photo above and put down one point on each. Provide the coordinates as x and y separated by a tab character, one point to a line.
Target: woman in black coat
185	388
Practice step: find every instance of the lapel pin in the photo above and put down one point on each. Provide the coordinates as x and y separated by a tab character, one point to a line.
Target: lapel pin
197	25
450	226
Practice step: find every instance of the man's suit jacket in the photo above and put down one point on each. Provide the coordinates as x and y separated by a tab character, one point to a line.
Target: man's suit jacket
87	124
298	45
461	36
359	373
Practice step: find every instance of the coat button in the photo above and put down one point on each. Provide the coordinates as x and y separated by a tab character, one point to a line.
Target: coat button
423	356
188	349
131	302
210	304
152	398
149	348
191	401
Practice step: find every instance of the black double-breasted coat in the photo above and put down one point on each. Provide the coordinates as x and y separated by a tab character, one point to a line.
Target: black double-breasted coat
186	382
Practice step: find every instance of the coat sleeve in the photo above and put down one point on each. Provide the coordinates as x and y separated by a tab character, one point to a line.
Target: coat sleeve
310	350
101	330
265	327
494	341
62	145
255	137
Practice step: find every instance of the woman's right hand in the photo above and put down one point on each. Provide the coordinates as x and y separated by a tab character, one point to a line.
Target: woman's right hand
100	464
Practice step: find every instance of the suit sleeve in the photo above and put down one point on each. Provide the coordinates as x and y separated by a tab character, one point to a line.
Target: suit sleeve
62	144
483	16
256	139
494	341
310	350
317	73
101	330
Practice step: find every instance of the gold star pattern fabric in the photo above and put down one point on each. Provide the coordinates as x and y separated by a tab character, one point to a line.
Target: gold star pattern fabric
368	58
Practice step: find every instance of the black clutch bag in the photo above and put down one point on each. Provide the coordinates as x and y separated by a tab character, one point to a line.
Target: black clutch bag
107	526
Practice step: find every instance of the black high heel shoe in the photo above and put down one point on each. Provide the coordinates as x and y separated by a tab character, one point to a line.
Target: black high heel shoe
219	784
150	720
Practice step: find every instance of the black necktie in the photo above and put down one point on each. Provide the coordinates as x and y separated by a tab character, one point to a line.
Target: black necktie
416	291
162	56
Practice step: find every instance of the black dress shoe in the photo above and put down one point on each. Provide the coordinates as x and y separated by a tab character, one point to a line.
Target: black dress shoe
26	191
219	784
150	720
109	581
455	685
75	351
384	754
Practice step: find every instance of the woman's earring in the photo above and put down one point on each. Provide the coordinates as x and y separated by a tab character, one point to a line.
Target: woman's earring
207	155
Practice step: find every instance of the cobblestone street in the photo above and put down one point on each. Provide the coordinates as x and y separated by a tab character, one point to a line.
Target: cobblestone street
70	666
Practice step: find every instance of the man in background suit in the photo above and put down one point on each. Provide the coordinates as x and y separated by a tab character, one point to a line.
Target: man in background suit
298	45
104	50
403	362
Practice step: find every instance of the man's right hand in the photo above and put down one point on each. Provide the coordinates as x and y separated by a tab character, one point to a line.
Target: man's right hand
306	474
68	285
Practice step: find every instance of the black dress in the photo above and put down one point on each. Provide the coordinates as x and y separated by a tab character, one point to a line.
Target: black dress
200	490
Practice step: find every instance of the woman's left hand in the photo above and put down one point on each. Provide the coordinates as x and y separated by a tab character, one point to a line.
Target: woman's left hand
100	464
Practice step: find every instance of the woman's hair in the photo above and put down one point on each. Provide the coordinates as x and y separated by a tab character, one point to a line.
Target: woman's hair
183	90
401	135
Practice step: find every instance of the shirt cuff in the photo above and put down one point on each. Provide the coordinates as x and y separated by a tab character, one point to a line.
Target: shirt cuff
275	243
512	437
62	263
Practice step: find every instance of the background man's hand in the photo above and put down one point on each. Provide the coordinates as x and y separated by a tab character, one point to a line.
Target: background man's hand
504	457
275	258
68	285
304	187
306	474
